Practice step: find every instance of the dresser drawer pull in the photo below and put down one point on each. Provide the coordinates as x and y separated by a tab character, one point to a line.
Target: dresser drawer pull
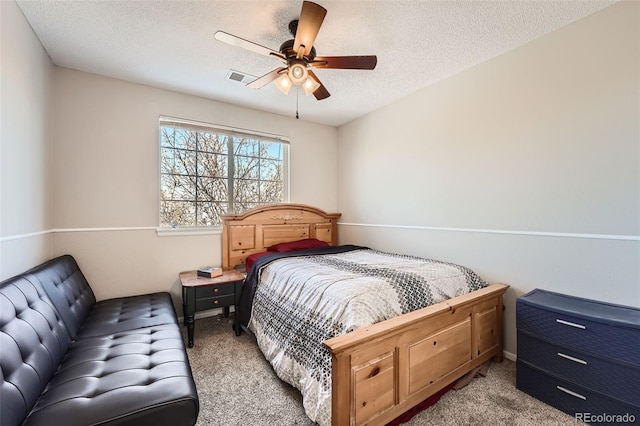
570	358
577	395
571	324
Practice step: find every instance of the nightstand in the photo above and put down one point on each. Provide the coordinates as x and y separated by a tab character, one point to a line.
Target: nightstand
201	293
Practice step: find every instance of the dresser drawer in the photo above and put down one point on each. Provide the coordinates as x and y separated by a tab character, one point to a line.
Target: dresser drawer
579	333
215	290
620	381
214	302
572	399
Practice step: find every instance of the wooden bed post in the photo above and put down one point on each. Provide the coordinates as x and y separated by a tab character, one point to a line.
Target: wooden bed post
341	394
499	357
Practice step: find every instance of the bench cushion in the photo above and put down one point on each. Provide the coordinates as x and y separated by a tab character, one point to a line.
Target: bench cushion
142	373
129	313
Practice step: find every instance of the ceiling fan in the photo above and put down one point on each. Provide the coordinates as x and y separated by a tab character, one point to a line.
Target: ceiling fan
299	55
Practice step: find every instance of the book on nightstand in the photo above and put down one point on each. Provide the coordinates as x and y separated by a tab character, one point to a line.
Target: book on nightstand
210	272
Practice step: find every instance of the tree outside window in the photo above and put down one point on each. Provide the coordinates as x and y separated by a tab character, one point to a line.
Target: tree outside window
206	171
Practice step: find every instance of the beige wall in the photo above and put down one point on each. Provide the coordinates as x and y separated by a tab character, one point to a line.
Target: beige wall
107	154
525	168
25	127
106	178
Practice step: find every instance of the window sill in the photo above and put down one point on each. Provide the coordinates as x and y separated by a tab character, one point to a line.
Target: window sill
188	232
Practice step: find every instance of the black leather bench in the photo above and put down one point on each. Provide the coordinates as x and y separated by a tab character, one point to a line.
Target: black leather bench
67	360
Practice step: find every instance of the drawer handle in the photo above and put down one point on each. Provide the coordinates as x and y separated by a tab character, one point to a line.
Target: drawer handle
572	393
570	358
215	290
571	324
215	302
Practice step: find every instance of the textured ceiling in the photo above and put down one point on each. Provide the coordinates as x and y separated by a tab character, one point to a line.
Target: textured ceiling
170	44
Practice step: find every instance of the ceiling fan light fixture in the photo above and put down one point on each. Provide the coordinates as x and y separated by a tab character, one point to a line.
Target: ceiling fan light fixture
310	85
298	73
284	83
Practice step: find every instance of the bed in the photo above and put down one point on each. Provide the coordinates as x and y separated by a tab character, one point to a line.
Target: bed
375	372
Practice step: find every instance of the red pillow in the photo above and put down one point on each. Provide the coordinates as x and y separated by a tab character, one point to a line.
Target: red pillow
252	258
307	243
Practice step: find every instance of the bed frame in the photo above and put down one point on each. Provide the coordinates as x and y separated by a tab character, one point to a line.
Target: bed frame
380	372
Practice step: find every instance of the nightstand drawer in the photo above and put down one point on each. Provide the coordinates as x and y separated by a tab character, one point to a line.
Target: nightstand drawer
215	302
215	290
580	333
608	377
570	398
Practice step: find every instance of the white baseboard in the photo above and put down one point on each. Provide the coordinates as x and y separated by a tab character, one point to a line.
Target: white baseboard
510	356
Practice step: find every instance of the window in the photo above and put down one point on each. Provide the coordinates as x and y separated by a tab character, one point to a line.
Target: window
207	170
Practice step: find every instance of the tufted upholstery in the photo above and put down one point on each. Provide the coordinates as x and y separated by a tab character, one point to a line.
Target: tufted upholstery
33	342
127	313
125	364
67	288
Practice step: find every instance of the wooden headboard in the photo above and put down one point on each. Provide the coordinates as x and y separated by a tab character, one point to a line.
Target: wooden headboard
255	230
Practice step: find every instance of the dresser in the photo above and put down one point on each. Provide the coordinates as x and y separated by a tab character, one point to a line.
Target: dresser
580	356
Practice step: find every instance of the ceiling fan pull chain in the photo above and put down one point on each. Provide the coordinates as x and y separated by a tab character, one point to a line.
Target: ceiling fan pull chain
297	97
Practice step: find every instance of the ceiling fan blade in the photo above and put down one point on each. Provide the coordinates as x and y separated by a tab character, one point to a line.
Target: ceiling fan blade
311	18
266	79
345	62
321	92
246	44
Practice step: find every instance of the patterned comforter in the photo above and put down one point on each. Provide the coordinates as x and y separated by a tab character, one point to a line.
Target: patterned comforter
300	300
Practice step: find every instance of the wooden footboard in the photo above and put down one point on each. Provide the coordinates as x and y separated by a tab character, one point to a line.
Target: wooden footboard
381	371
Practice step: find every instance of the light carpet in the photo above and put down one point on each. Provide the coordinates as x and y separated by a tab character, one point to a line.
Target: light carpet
237	386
